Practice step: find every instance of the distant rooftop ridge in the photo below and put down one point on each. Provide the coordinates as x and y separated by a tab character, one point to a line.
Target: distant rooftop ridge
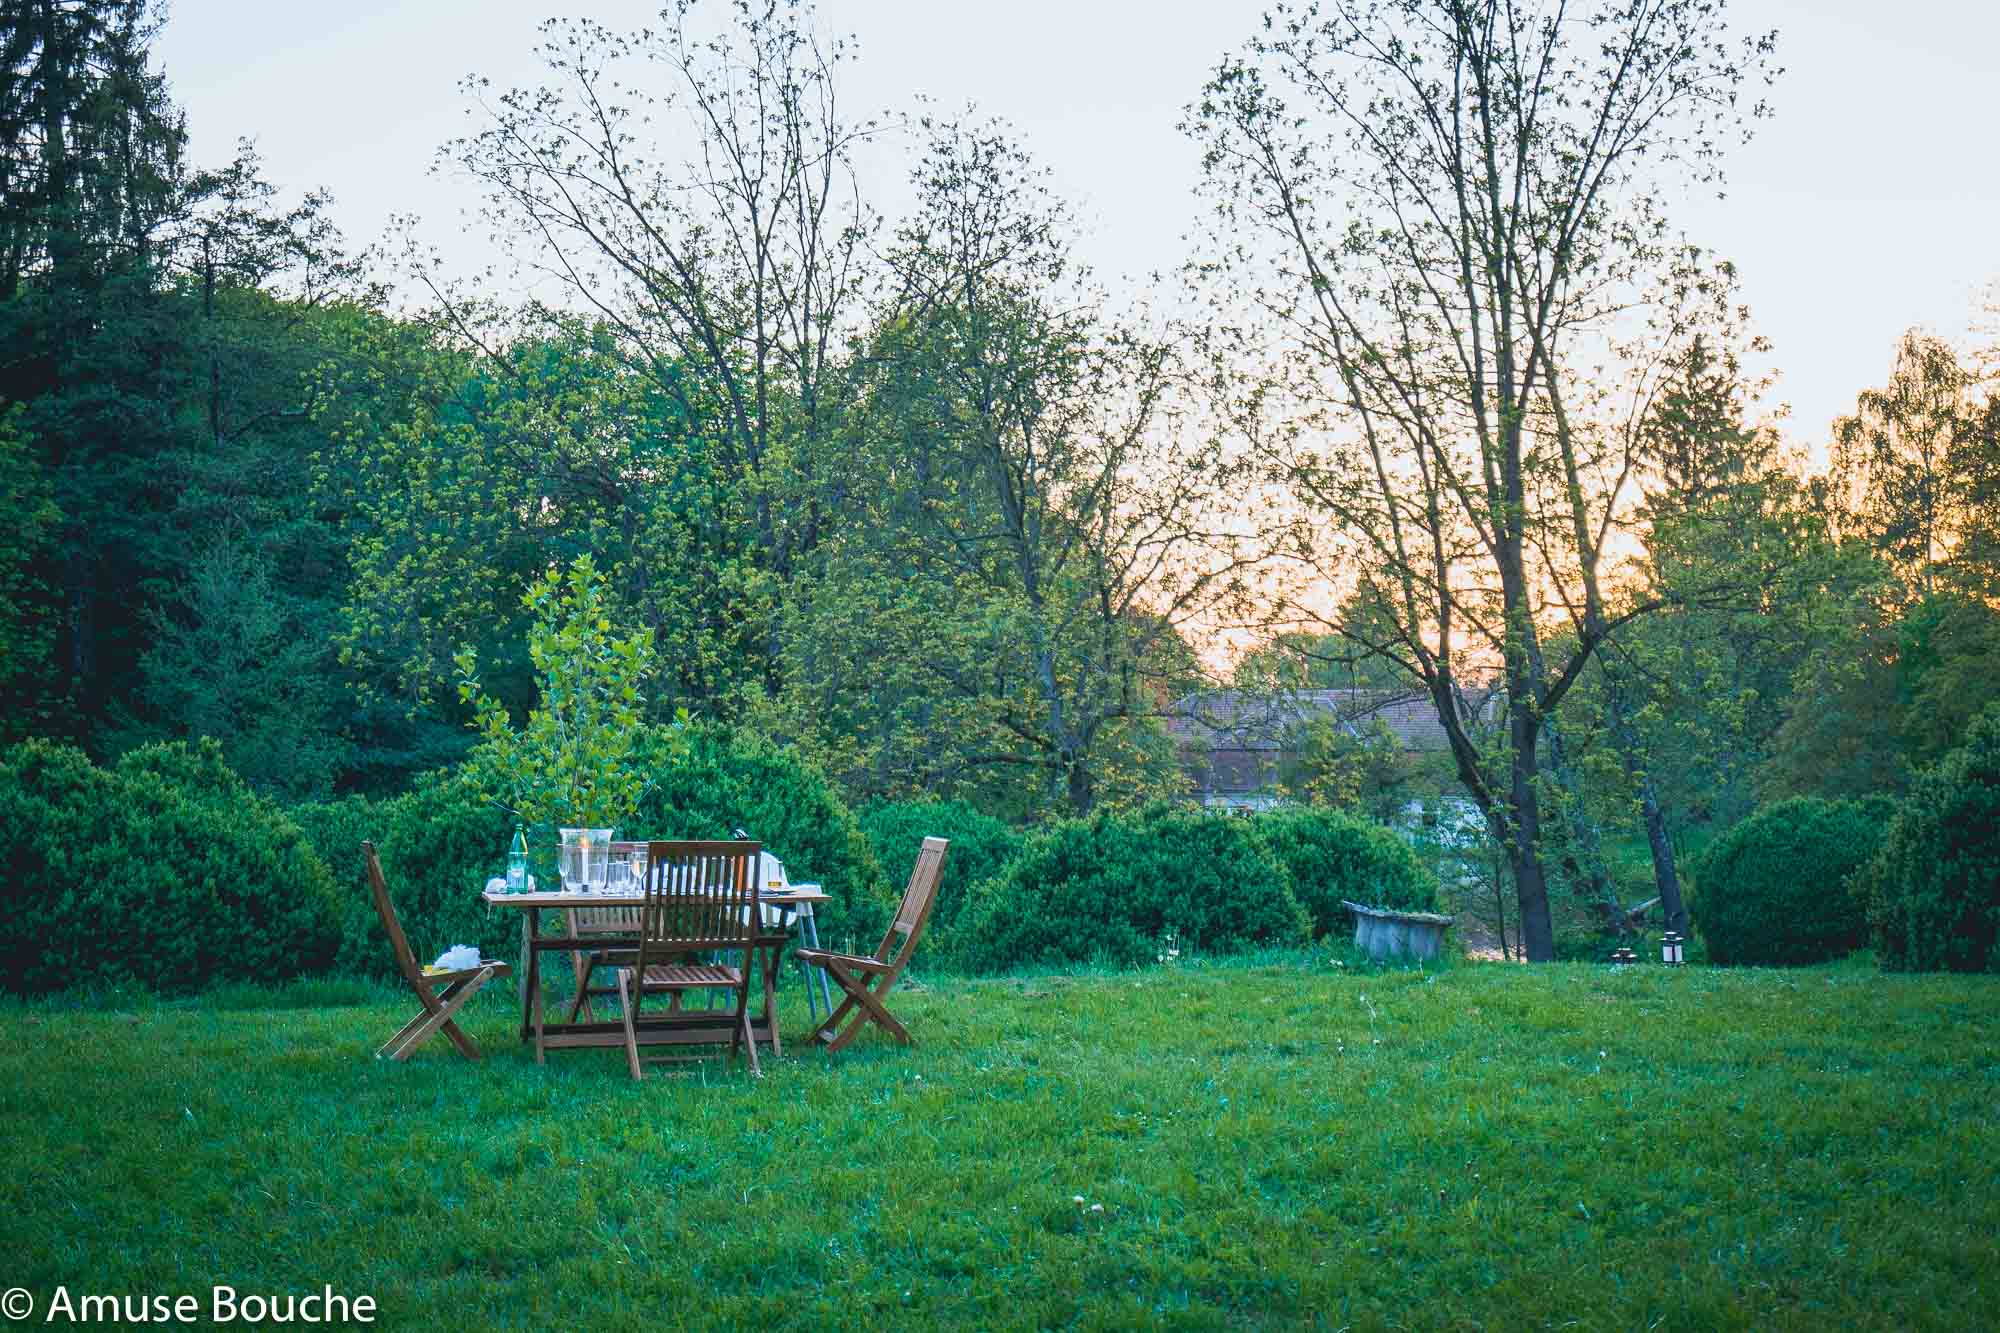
1259	720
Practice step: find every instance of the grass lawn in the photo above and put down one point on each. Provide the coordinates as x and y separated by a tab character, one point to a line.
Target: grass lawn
1277	1143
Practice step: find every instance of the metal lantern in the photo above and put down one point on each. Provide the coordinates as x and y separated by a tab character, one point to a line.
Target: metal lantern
1622	956
1670	948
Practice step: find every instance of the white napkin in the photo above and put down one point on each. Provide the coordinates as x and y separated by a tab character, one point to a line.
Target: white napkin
457	958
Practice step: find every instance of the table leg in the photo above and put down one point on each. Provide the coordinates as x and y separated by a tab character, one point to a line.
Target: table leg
526	973
540	1055
770	964
809	932
535	985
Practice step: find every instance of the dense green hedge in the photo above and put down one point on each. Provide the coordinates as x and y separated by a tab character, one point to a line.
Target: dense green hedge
1778	889
439	845
165	871
1934	889
981	847
1108	890
1332	856
162	871
707	780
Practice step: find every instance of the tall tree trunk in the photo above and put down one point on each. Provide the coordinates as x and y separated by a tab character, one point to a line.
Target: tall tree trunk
1082	791
1524	851
1665	876
1583	834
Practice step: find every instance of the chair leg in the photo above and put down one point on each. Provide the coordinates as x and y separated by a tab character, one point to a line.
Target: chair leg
438	1010
769	966
830	1033
456	1036
858	995
749	1041
626	1003
437	1016
809	936
580	1002
831	1021
871	1006
403	1033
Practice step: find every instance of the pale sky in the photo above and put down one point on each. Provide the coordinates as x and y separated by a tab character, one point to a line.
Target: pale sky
1868	204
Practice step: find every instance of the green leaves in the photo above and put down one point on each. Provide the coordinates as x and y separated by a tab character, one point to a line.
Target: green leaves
575	761
1776	890
1934	890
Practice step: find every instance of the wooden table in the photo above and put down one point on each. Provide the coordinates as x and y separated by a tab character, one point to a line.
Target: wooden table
673	1027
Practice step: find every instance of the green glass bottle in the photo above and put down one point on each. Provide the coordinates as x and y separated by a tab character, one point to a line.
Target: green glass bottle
517	862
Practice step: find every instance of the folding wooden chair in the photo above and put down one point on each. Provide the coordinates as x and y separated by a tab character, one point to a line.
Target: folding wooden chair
701	898
866	980
459	986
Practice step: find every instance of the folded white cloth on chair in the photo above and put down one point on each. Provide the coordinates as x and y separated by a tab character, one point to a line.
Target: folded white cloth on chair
457	958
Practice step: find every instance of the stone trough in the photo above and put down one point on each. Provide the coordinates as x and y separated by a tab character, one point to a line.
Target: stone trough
1382	933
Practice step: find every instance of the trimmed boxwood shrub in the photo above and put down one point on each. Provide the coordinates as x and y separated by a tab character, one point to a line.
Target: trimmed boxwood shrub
1778	889
981	847
439	845
1107	889
1333	856
1934	889
707	780
162	871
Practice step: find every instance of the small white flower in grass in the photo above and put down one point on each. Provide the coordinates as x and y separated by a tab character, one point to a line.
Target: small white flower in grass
1097	1208
1076	1198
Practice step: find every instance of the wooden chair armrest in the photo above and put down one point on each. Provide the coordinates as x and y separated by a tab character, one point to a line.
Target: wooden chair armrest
859	962
446	978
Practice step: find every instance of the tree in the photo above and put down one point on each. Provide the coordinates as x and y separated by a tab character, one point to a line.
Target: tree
1341	765
1044	521
538	450
729	276
90	144
1911	495
1303	660
579	757
1892	460
1685	689
27	606
1448	213
158	326
235	660
91	177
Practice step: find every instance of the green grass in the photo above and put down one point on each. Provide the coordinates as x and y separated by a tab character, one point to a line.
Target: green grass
1271	1143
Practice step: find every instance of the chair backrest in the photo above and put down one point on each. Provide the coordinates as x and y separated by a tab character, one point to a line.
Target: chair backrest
699	896
406	962
914	912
